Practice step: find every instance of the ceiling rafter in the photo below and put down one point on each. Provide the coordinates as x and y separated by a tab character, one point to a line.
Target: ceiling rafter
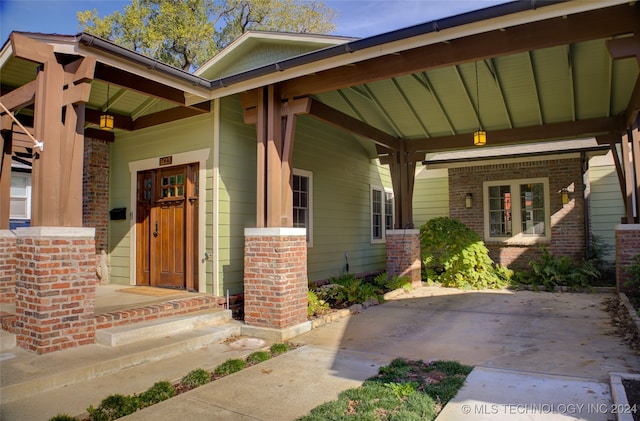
140	109
423	79
572	81
536	89
383	111
468	92
110	102
347	101
413	110
491	65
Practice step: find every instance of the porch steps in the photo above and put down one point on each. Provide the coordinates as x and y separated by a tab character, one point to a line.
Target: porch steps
7	340
25	374
127	334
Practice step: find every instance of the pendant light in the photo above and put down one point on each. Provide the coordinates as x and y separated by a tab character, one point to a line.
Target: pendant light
106	120
479	136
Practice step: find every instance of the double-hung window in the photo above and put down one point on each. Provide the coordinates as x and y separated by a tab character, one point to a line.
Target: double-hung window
302	202
20	206
517	211
382	209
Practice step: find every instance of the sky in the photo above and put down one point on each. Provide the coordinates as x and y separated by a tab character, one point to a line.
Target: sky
356	18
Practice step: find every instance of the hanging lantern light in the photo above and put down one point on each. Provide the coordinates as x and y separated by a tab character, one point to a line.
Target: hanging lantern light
106	120
479	136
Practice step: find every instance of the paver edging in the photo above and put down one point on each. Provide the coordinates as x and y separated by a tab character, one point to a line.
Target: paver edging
619	395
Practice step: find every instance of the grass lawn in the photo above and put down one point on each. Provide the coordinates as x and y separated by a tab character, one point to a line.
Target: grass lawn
404	390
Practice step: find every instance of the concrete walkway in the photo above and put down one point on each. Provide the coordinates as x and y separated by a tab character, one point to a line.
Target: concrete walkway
538	356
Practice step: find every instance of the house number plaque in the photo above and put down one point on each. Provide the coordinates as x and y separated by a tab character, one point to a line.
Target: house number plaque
166	160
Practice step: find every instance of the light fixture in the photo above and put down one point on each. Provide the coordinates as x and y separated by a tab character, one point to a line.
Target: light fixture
565	195
468	201
106	120
479	136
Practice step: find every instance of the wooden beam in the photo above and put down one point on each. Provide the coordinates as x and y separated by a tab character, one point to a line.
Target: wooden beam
628	178
120	121
81	70
31	49
72	151
261	170
274	157
554	131
633	108
628	47
619	170
20	97
634	137
105	135
296	107
344	121
164	116
5	179
590	25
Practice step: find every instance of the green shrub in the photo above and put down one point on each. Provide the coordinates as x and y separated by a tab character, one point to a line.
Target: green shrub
383	282
454	255
634	270
63	417
552	271
279	348
316	306
258	357
230	366
196	378
113	407
160	391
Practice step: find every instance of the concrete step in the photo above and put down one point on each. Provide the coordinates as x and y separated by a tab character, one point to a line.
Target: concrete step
25	374
122	335
7	340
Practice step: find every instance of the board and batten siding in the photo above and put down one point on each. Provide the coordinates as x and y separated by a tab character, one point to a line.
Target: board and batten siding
430	195
163	140
606	202
342	174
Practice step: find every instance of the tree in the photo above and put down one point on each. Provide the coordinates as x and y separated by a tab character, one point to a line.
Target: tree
186	33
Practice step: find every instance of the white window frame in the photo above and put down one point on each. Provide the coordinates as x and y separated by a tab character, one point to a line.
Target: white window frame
309	176
26	198
384	191
517	236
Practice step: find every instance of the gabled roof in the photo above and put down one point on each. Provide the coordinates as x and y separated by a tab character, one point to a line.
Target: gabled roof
258	48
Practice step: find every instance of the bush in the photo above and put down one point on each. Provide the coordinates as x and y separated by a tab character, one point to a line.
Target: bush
634	270
113	407
258	357
316	306
196	378
552	271
454	255
160	391
279	348
230	366
383	282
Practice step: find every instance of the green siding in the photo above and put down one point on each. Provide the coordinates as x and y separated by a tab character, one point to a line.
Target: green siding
606	202
342	175
430	195
167	139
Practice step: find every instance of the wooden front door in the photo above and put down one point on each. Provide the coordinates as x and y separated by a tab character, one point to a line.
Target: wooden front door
166	227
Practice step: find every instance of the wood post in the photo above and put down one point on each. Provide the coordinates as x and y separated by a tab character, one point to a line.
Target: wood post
403	172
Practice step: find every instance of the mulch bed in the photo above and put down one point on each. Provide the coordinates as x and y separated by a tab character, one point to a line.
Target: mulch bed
632	389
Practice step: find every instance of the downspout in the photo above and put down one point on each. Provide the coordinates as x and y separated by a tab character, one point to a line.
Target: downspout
587	204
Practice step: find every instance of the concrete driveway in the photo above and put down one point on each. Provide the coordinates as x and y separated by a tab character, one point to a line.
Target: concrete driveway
566	334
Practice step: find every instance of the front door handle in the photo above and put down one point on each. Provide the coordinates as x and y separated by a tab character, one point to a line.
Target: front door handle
155	233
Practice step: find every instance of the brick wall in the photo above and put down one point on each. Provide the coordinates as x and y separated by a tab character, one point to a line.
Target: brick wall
567	221
95	189
627	246
55	288
275	277
7	266
403	254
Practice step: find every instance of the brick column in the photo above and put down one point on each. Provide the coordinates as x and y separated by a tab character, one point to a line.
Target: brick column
275	277
95	189
403	254
627	246
55	288
7	266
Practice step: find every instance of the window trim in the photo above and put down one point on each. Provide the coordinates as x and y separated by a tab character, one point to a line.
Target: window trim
384	191
26	198
309	175
517	237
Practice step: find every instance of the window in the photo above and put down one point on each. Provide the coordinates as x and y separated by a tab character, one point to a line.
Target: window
302	202
381	213
517	211
20	206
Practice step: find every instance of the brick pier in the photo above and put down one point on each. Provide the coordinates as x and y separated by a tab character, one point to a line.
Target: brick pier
7	266
55	288
403	254
275	277
627	246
